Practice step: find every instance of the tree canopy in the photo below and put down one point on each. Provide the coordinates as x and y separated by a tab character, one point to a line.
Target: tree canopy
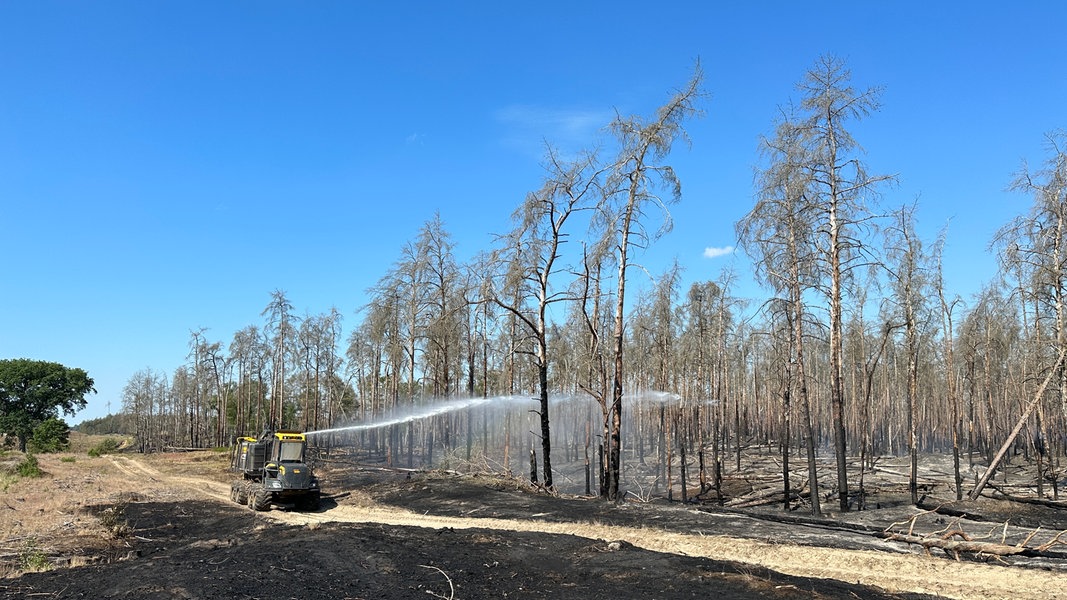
34	391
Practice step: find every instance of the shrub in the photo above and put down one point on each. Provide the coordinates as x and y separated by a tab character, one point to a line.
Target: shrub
32	558
106	446
29	467
52	435
113	518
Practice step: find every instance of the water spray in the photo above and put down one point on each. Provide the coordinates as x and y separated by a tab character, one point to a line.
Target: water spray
419	413
441	408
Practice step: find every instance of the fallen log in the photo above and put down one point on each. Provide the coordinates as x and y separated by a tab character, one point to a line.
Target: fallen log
965	545
758	497
954	540
955	547
794	519
1025	500
773	498
942	508
951	540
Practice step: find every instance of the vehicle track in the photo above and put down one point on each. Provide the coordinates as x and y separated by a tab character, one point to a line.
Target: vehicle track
138	469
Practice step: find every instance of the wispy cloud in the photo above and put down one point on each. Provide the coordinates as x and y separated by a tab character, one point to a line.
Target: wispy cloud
530	127
711	252
415	139
568	122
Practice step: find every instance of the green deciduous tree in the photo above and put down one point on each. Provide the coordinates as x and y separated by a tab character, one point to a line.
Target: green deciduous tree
52	435
33	391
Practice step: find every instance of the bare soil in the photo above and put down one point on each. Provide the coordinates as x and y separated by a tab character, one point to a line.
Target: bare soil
162	526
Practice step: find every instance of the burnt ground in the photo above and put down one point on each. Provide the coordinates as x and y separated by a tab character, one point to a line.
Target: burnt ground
214	551
204	549
190	546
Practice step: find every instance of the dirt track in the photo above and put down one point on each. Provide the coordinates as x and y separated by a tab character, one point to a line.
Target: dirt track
468	537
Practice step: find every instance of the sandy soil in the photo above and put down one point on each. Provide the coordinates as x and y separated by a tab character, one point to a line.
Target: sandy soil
162	526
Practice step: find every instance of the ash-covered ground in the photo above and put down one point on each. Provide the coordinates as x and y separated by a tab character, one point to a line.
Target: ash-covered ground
387	533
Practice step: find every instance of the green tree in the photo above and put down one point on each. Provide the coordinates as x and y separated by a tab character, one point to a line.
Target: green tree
52	435
34	391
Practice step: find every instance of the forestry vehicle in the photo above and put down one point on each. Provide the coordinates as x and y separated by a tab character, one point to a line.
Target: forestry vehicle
274	471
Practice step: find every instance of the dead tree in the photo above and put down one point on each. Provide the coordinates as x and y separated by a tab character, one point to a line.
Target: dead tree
630	189
529	255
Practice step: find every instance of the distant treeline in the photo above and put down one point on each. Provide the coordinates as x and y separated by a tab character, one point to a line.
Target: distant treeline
120	424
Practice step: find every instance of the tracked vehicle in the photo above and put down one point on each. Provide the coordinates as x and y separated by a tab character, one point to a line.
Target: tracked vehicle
274	472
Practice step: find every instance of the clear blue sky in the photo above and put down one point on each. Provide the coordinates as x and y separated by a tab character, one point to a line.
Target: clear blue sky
165	165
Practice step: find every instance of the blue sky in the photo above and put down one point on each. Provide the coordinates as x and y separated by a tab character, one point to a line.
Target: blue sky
165	165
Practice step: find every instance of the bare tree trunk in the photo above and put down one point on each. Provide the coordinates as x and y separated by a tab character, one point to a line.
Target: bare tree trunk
681	466
546	437
837	387
785	442
670	460
632	179
950	380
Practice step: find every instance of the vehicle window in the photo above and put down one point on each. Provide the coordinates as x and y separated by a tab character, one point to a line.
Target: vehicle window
290	451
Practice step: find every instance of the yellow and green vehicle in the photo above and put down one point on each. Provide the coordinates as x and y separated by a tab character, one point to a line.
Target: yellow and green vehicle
274	471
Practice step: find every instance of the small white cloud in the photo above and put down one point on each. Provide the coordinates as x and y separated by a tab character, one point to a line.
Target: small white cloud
415	138
717	252
528	128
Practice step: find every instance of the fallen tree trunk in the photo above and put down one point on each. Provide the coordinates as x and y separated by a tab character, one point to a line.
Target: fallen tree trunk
1023	499
942	507
955	547
954	540
763	500
767	495
966	545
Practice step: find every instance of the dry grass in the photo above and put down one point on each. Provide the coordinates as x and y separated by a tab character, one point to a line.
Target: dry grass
43	510
74	510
